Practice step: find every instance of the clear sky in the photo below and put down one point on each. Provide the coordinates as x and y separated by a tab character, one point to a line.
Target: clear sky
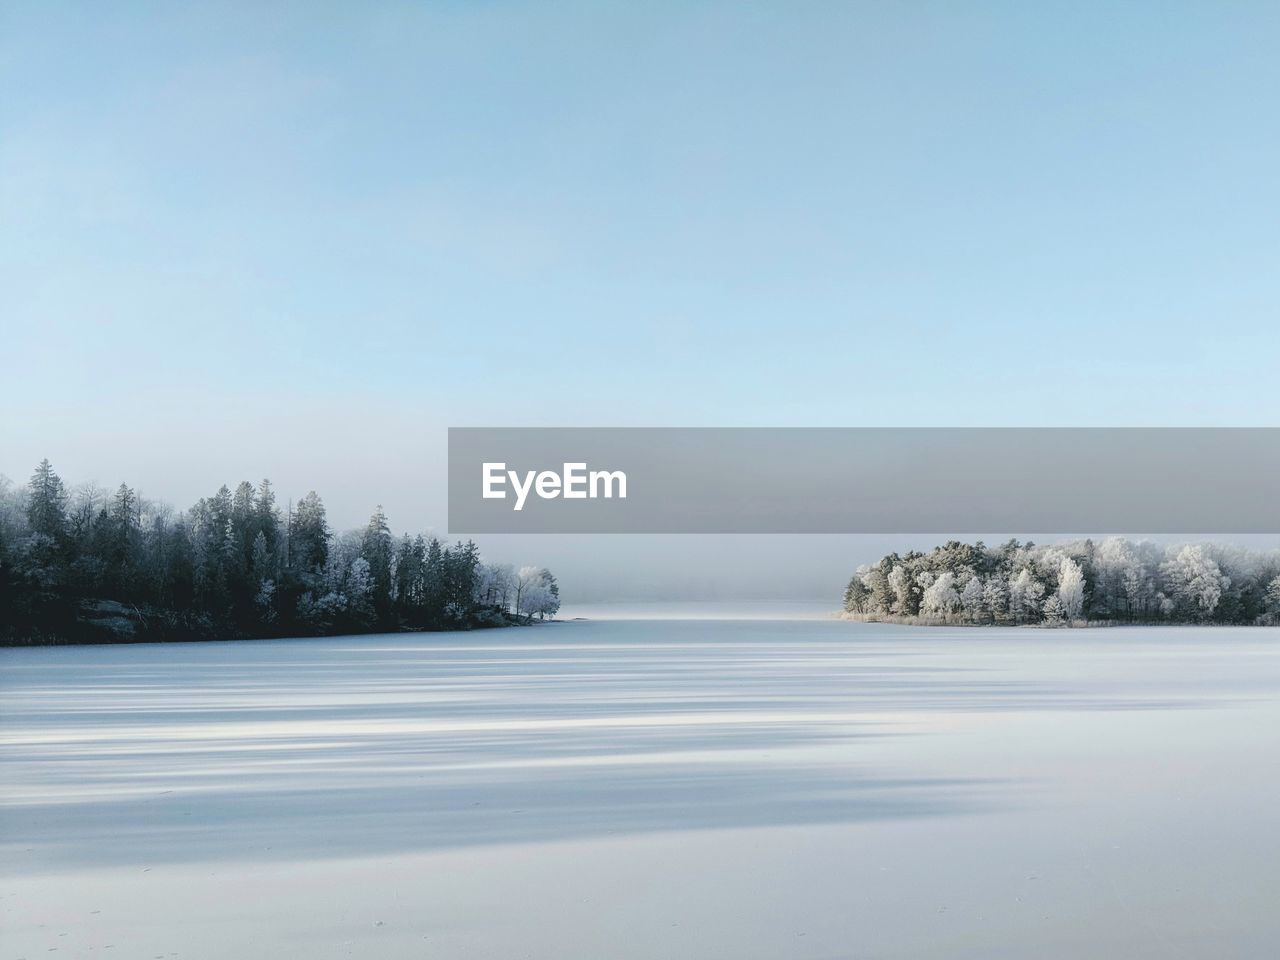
300	240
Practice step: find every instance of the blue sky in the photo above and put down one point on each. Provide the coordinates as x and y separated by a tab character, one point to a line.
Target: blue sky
303	239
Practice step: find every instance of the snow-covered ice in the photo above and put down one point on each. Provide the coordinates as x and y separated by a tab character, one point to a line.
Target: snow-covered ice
673	788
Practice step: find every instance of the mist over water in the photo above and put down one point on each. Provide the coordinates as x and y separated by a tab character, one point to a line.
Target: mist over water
700	610
790	786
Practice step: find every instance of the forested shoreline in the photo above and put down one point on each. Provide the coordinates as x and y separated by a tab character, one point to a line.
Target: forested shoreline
92	566
1076	582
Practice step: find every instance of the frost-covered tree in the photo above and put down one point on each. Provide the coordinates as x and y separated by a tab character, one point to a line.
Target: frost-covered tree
376	548
265	601
537	592
262	579
495	586
1115	580
527	579
857	594
359	591
1025	592
243	528
260	562
905	597
551	604
266	517
995	598
309	535
876	581
1070	589
1273	601
940	598
1195	580
47	502
972	599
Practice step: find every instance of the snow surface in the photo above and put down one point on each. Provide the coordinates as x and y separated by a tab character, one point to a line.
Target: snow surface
631	788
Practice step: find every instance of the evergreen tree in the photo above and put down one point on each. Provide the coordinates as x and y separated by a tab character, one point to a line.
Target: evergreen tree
309	535
376	548
123	525
219	569
267	517
433	587
409	564
243	525
459	564
47	503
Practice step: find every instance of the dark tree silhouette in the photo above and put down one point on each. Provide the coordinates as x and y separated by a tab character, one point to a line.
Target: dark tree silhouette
119	568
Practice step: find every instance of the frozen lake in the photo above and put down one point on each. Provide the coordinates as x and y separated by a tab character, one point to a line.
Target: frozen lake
647	788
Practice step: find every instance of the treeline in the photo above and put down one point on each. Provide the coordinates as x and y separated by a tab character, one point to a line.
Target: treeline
1116	580
98	566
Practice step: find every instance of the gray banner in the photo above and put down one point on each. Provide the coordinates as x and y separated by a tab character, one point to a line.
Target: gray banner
864	480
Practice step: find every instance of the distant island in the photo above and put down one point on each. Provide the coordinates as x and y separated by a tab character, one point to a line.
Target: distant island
95	567
1076	582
